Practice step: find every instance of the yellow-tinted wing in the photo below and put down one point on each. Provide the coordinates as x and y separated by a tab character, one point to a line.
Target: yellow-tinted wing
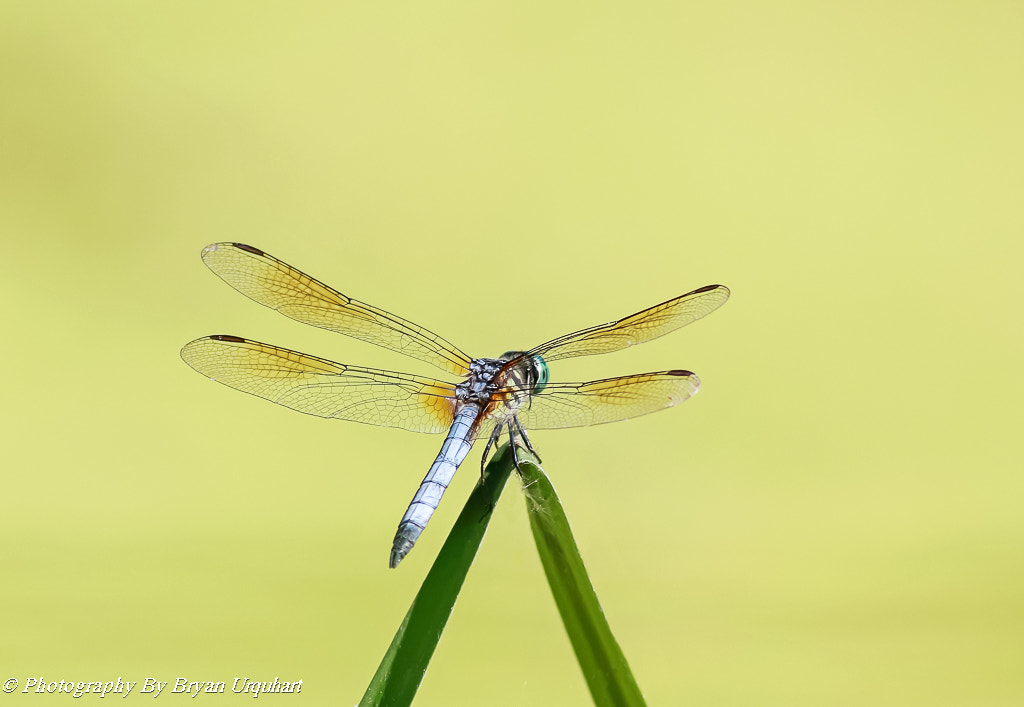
579	404
637	328
277	285
324	388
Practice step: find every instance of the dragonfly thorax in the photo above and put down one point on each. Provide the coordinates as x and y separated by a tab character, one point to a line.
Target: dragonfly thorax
512	378
481	382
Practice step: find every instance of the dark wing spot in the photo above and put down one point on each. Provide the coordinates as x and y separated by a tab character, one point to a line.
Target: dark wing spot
228	337
249	249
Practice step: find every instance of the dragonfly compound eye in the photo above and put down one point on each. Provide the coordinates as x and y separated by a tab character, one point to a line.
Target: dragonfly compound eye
540	370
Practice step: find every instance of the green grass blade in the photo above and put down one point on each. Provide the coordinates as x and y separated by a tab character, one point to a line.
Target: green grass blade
405	663
604	666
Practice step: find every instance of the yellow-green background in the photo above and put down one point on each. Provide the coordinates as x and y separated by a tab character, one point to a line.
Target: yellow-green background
838	517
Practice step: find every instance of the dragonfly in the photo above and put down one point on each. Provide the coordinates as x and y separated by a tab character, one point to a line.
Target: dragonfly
495	396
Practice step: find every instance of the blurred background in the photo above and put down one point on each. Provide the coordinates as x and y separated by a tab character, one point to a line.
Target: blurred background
836	518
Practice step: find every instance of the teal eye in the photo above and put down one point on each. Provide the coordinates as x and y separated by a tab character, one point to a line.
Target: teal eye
540	368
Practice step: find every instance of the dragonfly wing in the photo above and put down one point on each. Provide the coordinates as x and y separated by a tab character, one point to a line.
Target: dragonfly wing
324	388
610	400
637	328
265	279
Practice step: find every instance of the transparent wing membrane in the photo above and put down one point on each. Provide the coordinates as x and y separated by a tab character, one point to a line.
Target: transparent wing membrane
265	279
580	404
316	386
637	328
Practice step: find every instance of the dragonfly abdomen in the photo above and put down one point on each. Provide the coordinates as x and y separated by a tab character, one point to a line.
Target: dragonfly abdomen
453	452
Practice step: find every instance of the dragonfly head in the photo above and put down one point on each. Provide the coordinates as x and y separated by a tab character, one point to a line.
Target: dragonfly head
535	368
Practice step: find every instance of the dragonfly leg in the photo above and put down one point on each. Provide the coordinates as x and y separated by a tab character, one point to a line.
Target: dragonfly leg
526	438
513	443
487	450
